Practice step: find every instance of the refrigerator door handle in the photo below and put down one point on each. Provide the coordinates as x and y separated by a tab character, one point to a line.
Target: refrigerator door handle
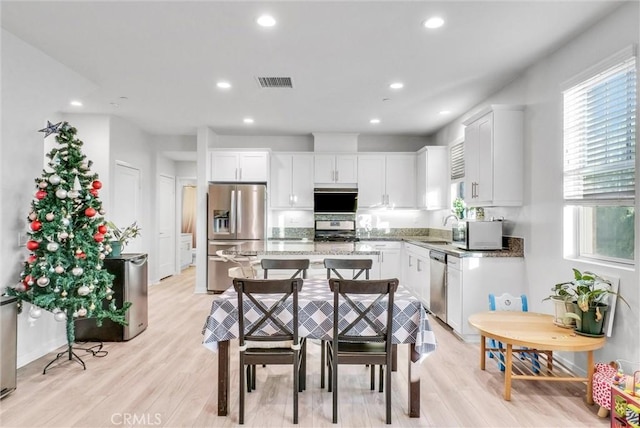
232	216
239	211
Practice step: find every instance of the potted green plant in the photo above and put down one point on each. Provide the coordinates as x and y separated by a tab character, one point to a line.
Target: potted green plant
121	236
563	297
591	293
459	207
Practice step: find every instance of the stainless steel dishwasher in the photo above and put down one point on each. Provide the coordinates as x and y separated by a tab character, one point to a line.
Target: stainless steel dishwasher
438	284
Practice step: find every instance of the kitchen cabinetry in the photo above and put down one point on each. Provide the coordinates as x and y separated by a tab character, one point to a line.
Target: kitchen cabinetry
416	273
387	180
186	240
334	168
389	257
238	166
432	182
469	282
292	180
494	157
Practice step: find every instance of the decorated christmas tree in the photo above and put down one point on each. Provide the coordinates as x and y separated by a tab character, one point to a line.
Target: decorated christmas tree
67	235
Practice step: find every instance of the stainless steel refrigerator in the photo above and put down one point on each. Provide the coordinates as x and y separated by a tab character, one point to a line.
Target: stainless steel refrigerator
236	214
130	284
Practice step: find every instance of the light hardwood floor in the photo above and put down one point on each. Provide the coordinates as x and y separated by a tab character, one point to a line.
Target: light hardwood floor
165	377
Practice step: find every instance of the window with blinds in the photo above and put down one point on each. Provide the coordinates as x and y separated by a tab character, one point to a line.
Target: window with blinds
599	161
457	161
600	136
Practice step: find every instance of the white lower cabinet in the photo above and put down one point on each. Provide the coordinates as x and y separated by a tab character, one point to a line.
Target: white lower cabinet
389	257
470	280
415	272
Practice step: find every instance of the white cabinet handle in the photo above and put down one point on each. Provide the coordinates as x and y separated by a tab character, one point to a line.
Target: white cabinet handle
410	261
240	175
419	269
337	175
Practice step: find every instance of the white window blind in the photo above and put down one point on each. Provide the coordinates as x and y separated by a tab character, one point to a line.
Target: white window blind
600	136
457	161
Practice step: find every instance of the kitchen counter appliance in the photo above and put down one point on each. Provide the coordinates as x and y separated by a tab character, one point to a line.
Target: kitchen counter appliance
335	230
236	215
129	285
438	284
335	200
477	235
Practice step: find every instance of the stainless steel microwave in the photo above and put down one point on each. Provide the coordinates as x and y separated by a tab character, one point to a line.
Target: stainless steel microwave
477	235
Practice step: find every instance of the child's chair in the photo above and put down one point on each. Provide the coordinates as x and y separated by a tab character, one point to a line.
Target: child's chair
507	302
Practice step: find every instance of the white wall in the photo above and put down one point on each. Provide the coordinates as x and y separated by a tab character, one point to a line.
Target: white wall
539	221
34	87
392	143
186	169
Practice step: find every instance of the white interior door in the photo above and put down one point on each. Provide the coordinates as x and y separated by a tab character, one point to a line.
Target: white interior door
126	201
166	225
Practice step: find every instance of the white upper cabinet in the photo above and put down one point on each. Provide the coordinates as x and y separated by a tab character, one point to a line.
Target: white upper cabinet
387	180
432	178
494	157
291	184
333	168
238	166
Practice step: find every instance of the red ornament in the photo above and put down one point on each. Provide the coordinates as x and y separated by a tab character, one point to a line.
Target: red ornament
102	229
98	237
89	212
94	192
41	194
96	185
32	259
27	279
81	255
36	225
32	245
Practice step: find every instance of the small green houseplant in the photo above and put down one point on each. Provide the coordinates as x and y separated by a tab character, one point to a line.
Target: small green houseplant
589	294
121	236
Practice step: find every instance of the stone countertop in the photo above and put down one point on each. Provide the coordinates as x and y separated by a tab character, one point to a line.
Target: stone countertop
299	247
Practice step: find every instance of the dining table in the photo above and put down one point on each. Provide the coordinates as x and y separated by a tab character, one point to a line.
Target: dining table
315	300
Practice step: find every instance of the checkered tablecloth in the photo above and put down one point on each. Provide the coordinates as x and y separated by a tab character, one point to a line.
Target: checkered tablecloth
315	318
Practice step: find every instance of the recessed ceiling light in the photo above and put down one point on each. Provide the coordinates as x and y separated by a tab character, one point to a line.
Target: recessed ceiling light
223	85
266	21
396	85
247	120
76	103
433	22
444	112
374	121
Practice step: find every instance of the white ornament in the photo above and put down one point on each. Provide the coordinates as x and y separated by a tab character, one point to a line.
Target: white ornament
92	306
60	316
71	236
82	312
30	282
65	221
35	312
77	271
61	194
101	256
59	269
83	290
55	180
109	297
63	235
32	216
56	290
50	216
103	212
64	293
98	267
43	281
92	287
75	314
53	246
43	184
20	287
73	194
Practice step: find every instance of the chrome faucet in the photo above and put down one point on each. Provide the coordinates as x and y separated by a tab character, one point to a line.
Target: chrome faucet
446	219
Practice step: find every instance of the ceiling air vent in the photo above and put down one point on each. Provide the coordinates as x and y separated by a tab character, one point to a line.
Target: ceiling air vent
275	82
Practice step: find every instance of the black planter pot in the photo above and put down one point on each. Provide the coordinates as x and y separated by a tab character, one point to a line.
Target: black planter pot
590	322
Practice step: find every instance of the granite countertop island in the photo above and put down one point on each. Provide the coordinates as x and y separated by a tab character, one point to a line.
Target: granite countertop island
304	247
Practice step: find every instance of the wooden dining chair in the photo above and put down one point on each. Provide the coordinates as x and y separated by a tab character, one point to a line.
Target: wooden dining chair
508	302
299	265
337	268
351	345
280	347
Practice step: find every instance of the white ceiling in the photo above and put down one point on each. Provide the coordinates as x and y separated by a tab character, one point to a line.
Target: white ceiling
166	57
